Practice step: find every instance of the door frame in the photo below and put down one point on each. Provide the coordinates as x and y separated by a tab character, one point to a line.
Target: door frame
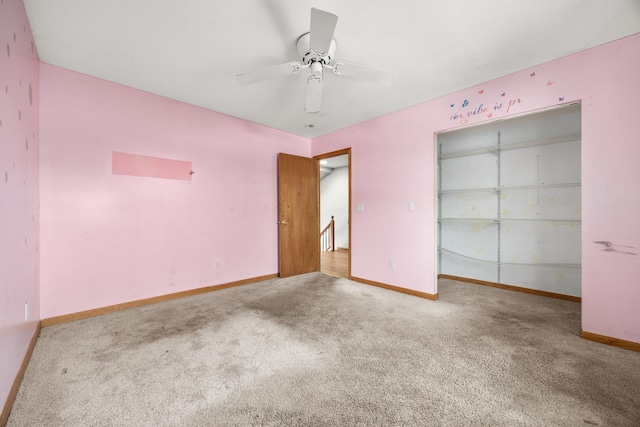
341	152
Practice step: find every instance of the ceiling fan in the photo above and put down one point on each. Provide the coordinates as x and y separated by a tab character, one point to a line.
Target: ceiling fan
317	48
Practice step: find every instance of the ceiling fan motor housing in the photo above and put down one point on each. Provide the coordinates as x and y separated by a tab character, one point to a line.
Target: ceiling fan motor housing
309	56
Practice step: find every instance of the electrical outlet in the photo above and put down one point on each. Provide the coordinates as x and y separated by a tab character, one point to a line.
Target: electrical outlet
26	311
392	264
217	263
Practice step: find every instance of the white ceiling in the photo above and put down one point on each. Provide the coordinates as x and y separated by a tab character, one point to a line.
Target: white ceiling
191	50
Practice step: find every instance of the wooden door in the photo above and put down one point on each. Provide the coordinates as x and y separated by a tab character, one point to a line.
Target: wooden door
298	215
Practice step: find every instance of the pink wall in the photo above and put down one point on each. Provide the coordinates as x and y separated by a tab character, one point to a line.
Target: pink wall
19	216
109	238
393	164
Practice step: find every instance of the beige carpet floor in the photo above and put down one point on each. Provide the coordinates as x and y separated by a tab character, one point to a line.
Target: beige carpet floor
316	350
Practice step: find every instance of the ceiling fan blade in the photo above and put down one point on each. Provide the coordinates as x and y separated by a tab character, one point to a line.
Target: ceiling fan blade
314	94
270	72
361	72
323	24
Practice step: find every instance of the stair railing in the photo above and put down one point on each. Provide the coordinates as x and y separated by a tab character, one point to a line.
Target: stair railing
327	237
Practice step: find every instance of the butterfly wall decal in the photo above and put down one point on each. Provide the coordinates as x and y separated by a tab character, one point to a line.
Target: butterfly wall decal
481	91
561	98
549	82
532	74
465	103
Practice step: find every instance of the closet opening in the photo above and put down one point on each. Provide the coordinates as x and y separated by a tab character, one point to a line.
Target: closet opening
509	203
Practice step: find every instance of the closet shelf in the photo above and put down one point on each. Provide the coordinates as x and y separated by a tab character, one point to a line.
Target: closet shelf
558	139
469	190
466	153
503	219
551	221
514	188
468	219
546	266
569	137
541	186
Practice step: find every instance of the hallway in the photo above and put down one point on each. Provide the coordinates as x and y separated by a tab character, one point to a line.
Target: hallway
335	263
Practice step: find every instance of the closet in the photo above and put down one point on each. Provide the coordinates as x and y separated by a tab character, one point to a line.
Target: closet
509	208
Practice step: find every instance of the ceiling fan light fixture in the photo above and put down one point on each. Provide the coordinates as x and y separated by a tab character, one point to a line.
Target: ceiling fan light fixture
316	69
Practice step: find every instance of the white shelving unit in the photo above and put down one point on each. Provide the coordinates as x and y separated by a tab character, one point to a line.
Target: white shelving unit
509	202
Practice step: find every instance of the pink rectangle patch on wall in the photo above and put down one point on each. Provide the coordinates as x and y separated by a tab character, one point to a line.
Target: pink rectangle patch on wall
153	167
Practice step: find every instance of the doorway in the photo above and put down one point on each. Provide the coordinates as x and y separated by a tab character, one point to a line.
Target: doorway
335	213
